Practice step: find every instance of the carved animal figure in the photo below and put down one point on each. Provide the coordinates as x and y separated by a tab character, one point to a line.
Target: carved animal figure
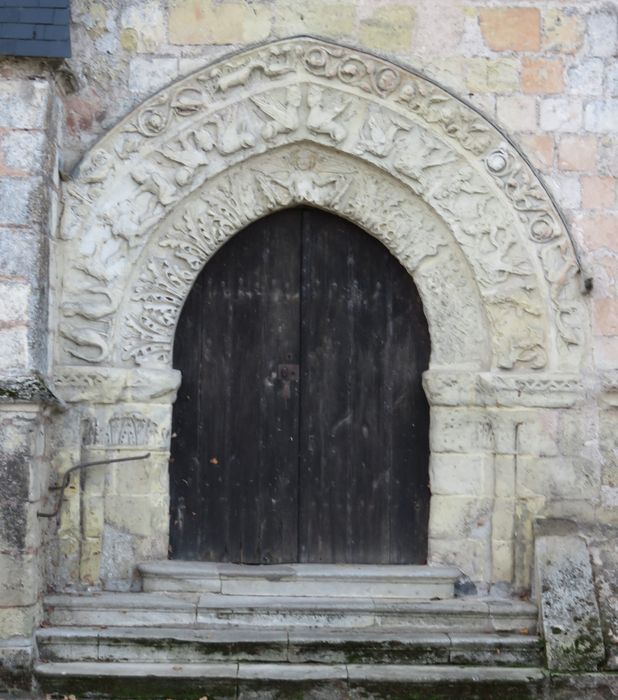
233	133
91	309
321	117
154	183
85	338
284	117
378	134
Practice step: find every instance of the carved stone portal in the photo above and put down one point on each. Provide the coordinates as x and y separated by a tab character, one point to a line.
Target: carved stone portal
306	122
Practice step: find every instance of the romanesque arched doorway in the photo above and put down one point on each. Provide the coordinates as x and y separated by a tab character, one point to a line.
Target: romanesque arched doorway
304	122
300	432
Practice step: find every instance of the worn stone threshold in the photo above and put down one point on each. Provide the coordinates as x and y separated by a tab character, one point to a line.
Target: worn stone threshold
272	680
311	580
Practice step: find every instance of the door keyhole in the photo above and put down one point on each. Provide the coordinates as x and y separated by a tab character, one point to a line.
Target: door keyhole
287	374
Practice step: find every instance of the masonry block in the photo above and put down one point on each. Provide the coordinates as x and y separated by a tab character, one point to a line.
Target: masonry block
601	115
558	478
503	75
539	148
586	77
148	75
222	22
24	103
388	28
602	33
563	30
542	75
511	28
469	555
598	192
315	17
459	517
463	475
561	114
568	608
460	430
145	23
517	112
22	200
23	152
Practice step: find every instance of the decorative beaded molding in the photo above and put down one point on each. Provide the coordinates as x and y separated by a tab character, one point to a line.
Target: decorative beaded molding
307	122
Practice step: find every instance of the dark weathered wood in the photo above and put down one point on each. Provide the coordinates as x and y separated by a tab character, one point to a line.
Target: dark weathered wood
235	451
334	468
364	417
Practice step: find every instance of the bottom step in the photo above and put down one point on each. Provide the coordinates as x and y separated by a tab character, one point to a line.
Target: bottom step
121	681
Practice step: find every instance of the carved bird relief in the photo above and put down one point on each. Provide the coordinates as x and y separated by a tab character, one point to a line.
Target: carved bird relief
284	115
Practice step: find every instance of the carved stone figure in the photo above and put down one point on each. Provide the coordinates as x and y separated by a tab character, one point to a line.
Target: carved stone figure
283	115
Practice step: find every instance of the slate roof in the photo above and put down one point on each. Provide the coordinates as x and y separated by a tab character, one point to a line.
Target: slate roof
35	28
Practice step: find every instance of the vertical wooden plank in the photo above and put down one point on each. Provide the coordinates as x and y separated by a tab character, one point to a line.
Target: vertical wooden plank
364	417
235	447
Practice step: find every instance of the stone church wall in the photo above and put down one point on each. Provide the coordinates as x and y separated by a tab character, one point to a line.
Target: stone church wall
545	72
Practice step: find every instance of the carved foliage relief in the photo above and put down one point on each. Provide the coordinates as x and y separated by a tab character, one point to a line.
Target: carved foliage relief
152	202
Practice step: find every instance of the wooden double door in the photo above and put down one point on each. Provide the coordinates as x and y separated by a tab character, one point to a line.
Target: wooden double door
300	432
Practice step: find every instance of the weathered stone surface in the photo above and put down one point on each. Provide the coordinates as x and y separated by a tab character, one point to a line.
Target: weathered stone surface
586	77
568	608
199	22
602	33
511	28
598	192
577	153
542	76
601	115
24	103
560	114
389	27
563	30
603	546
517	112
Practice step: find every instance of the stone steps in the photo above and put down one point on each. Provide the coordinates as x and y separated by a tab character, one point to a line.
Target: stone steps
468	615
293	645
302	580
118	681
327	632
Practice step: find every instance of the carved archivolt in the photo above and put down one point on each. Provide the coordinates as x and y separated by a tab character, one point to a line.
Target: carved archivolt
305	122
